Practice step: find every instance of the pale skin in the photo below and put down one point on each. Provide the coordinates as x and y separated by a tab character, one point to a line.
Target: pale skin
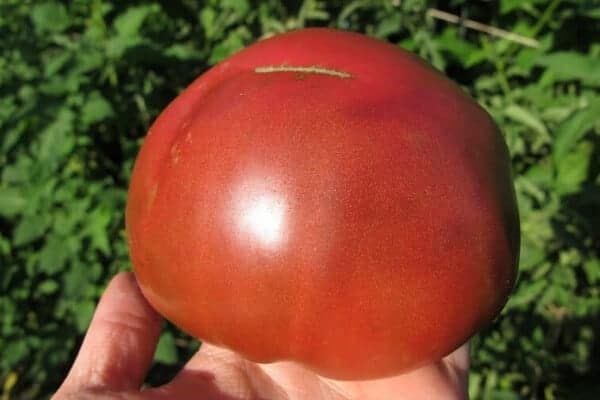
121	340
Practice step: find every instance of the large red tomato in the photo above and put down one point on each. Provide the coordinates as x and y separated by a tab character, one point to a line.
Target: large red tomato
326	198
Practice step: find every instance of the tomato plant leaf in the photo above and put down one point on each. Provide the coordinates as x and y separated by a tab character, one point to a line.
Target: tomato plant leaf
572	65
29	229
12	202
166	352
570	131
573	169
50	17
96	108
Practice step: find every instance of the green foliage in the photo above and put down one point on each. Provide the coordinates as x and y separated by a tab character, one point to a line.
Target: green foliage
81	81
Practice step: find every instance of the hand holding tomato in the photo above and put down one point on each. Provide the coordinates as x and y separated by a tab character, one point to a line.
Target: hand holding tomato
120	343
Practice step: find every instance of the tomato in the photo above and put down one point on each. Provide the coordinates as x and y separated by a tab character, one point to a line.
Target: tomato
326	198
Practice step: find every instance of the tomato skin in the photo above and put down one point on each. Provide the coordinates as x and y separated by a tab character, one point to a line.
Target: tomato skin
326	198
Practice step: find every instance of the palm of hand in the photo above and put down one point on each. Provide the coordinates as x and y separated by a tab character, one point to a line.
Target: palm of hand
120	344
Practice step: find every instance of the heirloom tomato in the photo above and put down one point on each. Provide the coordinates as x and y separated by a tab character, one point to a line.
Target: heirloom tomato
326	198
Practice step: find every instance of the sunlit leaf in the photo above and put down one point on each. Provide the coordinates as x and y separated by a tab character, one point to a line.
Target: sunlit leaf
574	128
572	65
12	202
166	352
527	118
83	314
48	286
573	169
53	255
29	229
50	16
130	22
96	109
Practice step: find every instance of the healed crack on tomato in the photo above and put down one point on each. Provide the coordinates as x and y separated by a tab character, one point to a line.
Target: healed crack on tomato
152	195
310	69
175	153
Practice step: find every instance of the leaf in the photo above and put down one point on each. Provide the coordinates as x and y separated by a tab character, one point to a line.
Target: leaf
311	10
527	118
208	18
19	351
388	26
130	22
231	44
572	170
29	229
527	293
88	58
592	271
506	6
75	279
570	131
465	52
166	352
12	202
50	17
240	7
127	28
530	256
53	255
83	314
541	174
18	172
48	286
96	109
56	62
527	58
570	65
59	85
592	13
56	141
118	45
183	52
97	229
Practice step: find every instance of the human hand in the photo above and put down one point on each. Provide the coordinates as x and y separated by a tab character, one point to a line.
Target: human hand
120	343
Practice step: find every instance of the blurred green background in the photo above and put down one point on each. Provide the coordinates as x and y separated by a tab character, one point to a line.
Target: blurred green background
81	81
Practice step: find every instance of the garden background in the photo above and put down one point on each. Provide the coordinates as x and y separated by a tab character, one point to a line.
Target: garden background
80	82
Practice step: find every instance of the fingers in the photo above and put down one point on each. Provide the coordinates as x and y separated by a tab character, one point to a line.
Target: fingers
219	374
445	379
457	365
120	342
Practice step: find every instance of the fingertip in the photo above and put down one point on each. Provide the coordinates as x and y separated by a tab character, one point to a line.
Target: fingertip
123	288
123	278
